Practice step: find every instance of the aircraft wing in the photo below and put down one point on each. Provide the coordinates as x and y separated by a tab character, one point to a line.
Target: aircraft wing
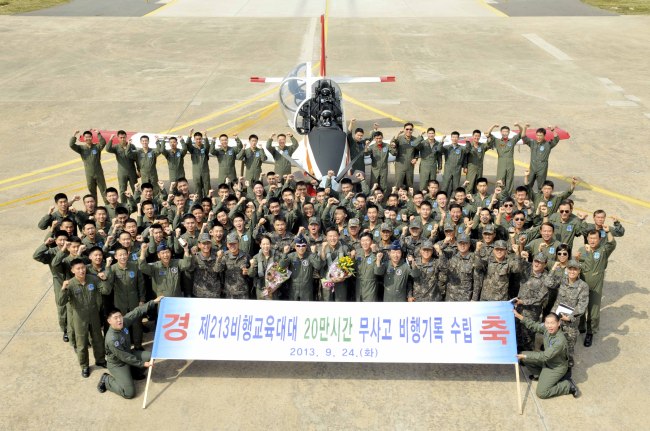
361	79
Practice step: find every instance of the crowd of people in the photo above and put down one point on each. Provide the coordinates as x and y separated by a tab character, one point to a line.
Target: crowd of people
445	240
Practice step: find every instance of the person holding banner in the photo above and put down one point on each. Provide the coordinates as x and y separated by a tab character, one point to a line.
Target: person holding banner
551	365
123	362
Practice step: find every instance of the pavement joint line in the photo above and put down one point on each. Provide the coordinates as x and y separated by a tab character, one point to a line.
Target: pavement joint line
551	49
529	389
26	318
192	101
622	103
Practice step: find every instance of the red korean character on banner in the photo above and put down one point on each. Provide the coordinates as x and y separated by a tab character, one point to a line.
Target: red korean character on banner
176	333
494	329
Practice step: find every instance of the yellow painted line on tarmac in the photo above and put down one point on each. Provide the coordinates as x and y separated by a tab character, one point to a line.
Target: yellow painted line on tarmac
153	12
23	198
83	187
39	171
223	111
47	177
492	9
241	117
552	174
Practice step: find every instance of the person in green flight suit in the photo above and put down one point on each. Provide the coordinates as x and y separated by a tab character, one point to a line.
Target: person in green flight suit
540	150
505	148
126	170
226	157
253	157
91	154
551	364
406	158
282	166
175	157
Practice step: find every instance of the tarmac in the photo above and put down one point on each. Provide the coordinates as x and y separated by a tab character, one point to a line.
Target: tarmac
584	74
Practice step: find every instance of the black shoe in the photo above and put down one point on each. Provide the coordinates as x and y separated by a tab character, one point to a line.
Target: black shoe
85	372
533	377
101	386
139	348
582	331
66	339
571	363
145	329
101	364
574	389
589	338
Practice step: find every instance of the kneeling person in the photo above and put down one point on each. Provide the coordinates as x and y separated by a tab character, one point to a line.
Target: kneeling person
119	354
552	364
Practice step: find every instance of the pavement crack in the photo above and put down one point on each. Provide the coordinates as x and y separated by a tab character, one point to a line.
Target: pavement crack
26	319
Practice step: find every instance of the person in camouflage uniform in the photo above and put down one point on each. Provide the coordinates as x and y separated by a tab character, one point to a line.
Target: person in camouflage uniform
535	283
428	278
462	271
497	270
206	282
260	263
573	292
235	264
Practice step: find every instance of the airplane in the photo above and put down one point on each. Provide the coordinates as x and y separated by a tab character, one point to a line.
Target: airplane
313	107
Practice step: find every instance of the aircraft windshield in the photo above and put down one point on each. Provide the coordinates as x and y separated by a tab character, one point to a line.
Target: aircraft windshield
293	91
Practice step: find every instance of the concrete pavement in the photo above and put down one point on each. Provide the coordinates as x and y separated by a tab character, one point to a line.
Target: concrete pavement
66	74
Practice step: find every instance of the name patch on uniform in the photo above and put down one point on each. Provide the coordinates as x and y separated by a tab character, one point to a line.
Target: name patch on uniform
457	151
541	148
131	274
479	150
369	260
91	286
162	272
134	256
398	272
230	152
244	237
551	250
116	344
305	263
569	228
174	270
385	149
597	255
549	204
257	153
94	151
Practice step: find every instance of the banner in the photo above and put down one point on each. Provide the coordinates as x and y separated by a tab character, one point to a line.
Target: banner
424	332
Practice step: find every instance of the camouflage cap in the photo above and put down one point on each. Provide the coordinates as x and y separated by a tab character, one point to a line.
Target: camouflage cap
488	228
463	238
205	237
449	226
541	257
386	226
314	220
500	244
573	264
232	237
415	224
354	222
427	244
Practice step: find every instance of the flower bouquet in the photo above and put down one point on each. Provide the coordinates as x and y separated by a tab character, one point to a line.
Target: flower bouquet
276	274
339	271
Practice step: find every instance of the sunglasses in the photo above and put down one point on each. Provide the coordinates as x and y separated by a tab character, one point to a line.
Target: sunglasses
519	219
507	205
564	211
408	128
301	245
562	253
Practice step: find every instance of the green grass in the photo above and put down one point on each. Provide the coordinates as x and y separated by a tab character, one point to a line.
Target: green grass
623	7
10	7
